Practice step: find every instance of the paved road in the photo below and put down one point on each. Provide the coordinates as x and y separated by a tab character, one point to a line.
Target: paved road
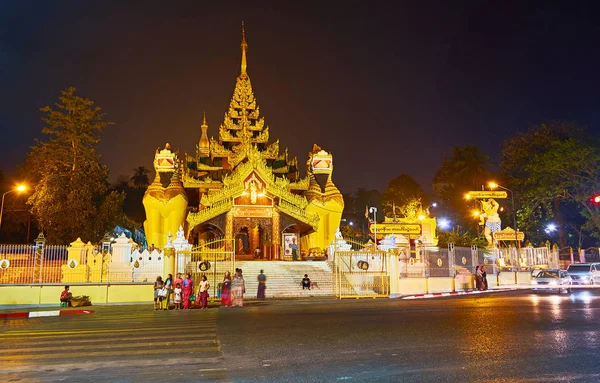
504	337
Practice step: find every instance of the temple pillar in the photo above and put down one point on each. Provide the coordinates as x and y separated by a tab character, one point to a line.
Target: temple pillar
229	232
169	259
254	238
276	236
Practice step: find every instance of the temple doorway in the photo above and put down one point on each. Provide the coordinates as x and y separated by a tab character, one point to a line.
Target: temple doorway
251	241
204	233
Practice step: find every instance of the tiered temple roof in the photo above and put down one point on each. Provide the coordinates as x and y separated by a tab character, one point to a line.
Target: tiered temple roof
243	129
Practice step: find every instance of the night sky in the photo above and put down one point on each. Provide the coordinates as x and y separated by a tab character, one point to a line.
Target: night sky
387	87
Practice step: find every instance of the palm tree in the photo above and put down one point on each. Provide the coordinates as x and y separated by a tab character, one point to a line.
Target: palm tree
140	177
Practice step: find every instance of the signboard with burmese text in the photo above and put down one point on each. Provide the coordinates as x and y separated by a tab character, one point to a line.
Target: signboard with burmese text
395	228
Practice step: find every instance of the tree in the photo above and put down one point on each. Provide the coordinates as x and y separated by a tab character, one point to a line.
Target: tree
467	169
535	163
403	192
71	197
140	178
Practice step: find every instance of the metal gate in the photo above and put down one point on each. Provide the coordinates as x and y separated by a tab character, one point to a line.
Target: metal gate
360	270
211	259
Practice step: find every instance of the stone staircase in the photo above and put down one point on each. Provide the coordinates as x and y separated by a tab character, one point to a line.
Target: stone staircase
283	278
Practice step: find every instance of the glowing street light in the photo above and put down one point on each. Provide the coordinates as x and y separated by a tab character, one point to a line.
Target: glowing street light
444	223
551	227
20	188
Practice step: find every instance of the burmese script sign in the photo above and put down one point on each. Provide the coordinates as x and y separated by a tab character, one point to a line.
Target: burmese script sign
252	211
396	228
488	194
509	236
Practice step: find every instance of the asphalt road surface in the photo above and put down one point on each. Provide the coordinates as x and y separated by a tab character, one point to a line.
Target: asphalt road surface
513	336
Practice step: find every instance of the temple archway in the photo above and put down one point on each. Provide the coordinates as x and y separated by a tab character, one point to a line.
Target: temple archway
205	233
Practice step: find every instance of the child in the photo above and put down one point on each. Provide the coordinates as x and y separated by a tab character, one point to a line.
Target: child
203	292
177	293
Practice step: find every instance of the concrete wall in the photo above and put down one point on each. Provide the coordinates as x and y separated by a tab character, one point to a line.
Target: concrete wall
506	278
440	284
98	293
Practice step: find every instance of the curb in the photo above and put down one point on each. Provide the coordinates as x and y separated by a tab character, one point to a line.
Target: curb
38	314
453	293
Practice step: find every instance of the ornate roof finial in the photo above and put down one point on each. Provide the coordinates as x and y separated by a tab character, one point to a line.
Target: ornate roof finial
204	144
244	46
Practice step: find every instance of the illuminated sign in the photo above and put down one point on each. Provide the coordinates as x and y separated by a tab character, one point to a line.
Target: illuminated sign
396	228
509	236
487	194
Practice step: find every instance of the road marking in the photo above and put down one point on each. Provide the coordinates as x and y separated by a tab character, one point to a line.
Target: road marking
111	345
25	333
94	365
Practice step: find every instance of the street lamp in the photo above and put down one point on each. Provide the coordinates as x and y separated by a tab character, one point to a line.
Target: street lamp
374	211
494	185
20	189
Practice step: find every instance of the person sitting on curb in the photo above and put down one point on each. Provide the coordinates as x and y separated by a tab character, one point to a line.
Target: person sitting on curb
65	297
305	282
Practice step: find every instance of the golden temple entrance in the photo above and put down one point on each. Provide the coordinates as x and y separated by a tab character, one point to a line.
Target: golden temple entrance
252	238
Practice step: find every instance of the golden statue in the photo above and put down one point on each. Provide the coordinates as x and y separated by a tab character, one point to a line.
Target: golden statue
490	219
165	201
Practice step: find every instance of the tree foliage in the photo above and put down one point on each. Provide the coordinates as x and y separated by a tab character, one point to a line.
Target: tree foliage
140	178
465	170
71	198
405	195
552	167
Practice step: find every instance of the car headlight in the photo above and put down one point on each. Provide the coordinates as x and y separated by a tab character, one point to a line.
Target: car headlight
534	282
553	283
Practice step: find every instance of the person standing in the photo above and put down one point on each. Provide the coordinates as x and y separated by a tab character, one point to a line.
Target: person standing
178	279
177	293
203	292
257	253
484	282
188	288
226	290
238	288
262	285
169	288
158	285
478	278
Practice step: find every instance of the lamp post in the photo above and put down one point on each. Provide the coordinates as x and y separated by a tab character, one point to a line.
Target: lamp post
374	211
19	188
514	214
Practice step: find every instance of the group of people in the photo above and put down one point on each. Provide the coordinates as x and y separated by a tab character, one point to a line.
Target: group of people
481	282
181	290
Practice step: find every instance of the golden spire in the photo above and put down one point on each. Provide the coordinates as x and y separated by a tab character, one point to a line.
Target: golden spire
244	46
204	144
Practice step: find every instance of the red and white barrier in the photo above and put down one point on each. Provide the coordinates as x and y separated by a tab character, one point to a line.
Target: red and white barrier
39	314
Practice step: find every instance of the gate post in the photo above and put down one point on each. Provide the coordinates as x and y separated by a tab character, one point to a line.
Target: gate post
394	271
451	261
474	258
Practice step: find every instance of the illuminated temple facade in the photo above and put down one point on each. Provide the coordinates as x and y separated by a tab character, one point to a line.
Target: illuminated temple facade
241	186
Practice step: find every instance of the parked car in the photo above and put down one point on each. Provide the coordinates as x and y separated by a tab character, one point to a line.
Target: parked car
552	279
584	273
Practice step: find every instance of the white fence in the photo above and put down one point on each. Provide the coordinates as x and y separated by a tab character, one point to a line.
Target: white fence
39	264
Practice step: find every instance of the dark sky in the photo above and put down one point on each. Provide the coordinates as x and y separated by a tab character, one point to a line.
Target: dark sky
387	87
